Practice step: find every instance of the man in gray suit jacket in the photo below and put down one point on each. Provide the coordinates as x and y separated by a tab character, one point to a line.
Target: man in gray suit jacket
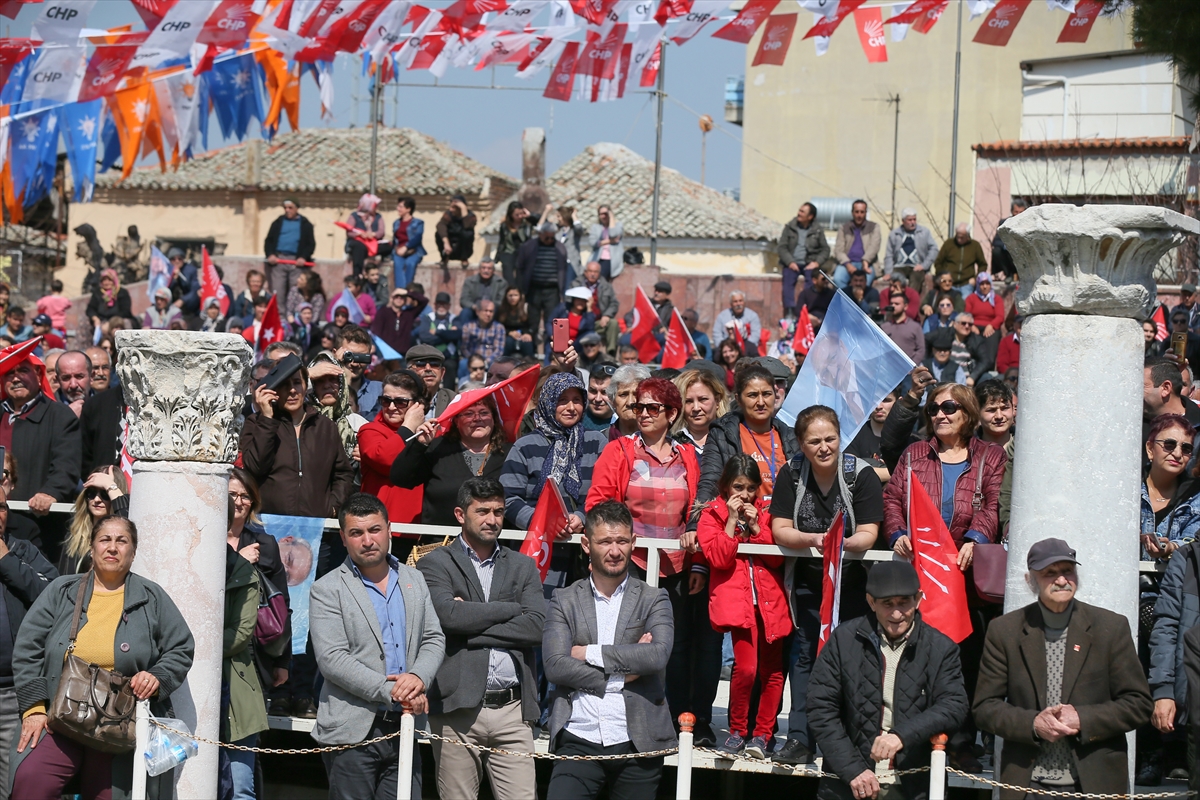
378	644
489	601
605	649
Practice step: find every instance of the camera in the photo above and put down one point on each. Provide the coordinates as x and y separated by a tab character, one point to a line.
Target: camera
349	358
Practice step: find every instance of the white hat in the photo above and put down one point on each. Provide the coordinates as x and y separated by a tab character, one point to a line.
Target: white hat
578	293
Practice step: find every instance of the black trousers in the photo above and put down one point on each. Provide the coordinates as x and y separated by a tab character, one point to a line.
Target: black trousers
541	300
358	253
627	779
370	772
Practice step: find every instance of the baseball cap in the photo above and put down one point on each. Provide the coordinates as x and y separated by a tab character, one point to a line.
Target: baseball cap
579	293
663	286
1188	288
441	299
42	319
1047	552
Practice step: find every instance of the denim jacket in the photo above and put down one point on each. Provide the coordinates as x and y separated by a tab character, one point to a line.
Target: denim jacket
1181	525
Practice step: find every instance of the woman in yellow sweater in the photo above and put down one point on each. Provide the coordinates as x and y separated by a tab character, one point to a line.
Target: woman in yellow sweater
130	625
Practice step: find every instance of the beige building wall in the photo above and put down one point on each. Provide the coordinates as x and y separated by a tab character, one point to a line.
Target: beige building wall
825	117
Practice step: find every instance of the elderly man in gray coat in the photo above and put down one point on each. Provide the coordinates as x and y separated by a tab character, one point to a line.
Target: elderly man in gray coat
605	648
379	645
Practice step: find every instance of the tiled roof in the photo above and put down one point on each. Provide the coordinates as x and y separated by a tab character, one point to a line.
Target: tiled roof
613	175
327	160
1141	144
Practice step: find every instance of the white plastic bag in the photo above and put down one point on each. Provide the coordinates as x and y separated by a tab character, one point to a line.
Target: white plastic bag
169	746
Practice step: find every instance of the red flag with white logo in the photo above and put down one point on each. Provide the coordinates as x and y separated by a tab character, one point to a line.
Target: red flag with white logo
126	465
512	398
316	19
670	9
1080	23
804	337
1160	325
997	28
741	29
917	9
210	283
927	20
679	347
594	11
776	38
645	322
549	517
600	56
562	79
229	25
831	579
869	23
935	557
347	33
827	26
107	65
650	71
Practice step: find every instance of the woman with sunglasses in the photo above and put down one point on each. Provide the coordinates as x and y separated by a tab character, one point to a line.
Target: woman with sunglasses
943	314
962	474
104	494
474	447
1170	494
380	442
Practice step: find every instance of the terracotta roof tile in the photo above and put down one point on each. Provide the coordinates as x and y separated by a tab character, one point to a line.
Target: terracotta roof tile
1141	144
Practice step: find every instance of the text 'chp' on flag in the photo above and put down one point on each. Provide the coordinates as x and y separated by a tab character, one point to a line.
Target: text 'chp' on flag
935	557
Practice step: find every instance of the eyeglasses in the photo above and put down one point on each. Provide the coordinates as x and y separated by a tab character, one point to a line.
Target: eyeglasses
1169	445
653	409
963	323
781	383
239	497
947	407
472	416
423	363
399	402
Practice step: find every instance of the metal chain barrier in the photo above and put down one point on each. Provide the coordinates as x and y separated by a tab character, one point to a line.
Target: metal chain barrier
797	769
1056	793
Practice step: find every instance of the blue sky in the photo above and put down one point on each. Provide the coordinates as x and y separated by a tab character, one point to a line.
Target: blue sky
486	124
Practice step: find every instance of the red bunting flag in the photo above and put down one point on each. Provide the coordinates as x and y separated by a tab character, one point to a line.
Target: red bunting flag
1161	334
741	29
562	79
650	72
312	26
549	517
594	11
869	23
270	330
927	20
512	398
645	323
827	26
107	65
210	284
679	347
997	28
831	579
936	558
776	38
600	56
917	9
1080	23
126	463
230	25
804	337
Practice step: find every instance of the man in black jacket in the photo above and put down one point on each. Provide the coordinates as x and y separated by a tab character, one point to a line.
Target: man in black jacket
290	238
882	686
542	276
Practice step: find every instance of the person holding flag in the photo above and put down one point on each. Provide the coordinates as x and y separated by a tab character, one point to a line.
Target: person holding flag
892	660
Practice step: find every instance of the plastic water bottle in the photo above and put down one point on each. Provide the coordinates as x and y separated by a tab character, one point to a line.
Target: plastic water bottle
165	752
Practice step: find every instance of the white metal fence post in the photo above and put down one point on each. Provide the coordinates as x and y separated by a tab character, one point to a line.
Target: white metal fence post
141	732
937	767
408	728
683	772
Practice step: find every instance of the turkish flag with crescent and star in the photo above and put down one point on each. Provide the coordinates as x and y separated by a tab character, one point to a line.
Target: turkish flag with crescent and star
831	578
270	330
210	283
645	323
549	517
936	558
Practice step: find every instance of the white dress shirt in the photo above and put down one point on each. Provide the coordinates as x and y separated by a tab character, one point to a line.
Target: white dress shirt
602	719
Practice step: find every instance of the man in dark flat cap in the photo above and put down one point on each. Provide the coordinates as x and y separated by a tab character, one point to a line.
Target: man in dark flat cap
893	661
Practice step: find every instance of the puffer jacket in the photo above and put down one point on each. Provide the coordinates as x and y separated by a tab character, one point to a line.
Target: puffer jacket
975	519
845	699
1176	611
731	602
1182	524
724	442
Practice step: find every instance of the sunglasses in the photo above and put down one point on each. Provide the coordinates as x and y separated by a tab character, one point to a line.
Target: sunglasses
606	370
93	493
399	402
424	363
1169	445
947	407
653	409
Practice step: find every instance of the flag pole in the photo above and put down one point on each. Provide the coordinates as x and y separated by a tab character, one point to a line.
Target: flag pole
376	93
954	134
658	126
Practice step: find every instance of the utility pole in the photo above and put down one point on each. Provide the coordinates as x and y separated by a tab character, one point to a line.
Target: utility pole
658	126
376	94
954	136
895	98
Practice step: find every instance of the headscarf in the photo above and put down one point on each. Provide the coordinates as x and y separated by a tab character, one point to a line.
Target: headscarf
368	203
110	298
339	412
566	444
990	297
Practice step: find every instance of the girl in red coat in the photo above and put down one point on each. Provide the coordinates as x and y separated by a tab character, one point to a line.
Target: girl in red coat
746	598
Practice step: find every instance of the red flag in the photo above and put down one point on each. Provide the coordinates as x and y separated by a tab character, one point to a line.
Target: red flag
917	9
562	79
210	284
594	11
776	38
549	517
1080	23
997	28
936	558
512	398
152	11
229	25
14	354
670	9
869	22
827	26
645	323
347	33
831	579
316	19
931	16
599	58
804	333
741	29
107	65
370	242
679	347
650	71
126	465
1159	316
270	330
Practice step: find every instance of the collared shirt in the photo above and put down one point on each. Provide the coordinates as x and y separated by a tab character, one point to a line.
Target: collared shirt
389	611
368	394
502	672
892	653
10	415
657	497
602	719
487	342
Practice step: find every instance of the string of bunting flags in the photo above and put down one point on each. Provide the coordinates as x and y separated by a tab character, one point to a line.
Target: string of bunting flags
129	94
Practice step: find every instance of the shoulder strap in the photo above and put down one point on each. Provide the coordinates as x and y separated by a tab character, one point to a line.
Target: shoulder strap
977	498
83	584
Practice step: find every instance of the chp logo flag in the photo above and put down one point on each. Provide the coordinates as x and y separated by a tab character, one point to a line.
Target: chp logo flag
741	29
869	22
803	340
512	398
1080	23
107	65
776	38
549	517
935	557
61	21
1160	324
56	74
210	286
645	323
827	26
679	347
562	79
997	28
701	13
230	25
926	21
831	578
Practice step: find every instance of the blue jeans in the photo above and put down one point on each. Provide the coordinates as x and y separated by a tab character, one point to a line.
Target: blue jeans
841	275
241	765
404	269
801	660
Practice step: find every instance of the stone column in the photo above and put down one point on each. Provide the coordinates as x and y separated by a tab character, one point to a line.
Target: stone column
185	393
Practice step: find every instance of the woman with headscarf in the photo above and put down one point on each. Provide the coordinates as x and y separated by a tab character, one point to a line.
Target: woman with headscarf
211	318
158	316
558	448
367	224
109	302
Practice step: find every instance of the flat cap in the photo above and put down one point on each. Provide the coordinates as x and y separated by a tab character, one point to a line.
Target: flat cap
423	352
663	286
892	579
1047	552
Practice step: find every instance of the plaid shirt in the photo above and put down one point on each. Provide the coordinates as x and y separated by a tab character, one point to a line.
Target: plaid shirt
488	342
657	498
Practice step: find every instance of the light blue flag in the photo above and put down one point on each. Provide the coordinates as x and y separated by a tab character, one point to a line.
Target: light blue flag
299	545
386	351
851	367
80	124
160	272
346	300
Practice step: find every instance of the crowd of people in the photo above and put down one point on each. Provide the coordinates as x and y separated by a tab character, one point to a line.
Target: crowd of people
598	656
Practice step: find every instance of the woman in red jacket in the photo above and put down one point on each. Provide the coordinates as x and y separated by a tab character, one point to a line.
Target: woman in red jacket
988	309
401	405
961	474
746	598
